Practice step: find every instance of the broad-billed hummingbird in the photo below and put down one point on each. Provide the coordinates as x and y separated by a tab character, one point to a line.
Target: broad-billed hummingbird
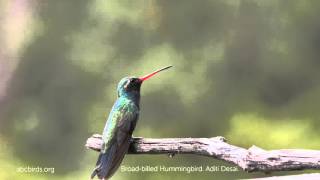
120	125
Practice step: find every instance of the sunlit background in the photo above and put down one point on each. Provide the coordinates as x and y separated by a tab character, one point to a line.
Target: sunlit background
246	70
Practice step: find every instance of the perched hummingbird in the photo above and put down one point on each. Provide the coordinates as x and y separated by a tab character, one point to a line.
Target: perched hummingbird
120	125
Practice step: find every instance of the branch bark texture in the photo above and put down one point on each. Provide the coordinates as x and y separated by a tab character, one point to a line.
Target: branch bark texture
252	159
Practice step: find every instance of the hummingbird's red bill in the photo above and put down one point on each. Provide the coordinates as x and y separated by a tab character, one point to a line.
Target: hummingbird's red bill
143	78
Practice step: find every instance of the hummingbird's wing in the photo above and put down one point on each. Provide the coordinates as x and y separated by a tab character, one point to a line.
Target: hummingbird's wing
124	135
116	138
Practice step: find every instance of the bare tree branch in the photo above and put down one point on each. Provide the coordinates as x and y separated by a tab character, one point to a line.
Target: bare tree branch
311	176
252	159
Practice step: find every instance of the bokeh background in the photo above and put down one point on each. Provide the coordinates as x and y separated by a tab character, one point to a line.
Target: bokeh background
247	70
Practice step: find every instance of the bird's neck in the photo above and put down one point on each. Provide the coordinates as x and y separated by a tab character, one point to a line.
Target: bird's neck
133	96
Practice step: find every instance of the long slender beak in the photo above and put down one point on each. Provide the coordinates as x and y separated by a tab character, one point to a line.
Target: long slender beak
143	78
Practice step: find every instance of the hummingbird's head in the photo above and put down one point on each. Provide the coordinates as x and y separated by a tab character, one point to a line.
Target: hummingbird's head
131	85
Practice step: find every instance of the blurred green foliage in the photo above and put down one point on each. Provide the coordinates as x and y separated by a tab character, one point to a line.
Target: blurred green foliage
247	70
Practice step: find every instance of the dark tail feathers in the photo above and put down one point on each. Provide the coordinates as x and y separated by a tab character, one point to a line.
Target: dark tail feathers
102	166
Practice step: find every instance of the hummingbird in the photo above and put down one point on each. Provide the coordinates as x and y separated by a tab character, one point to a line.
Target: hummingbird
120	124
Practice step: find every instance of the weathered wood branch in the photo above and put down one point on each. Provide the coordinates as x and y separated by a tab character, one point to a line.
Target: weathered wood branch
252	159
